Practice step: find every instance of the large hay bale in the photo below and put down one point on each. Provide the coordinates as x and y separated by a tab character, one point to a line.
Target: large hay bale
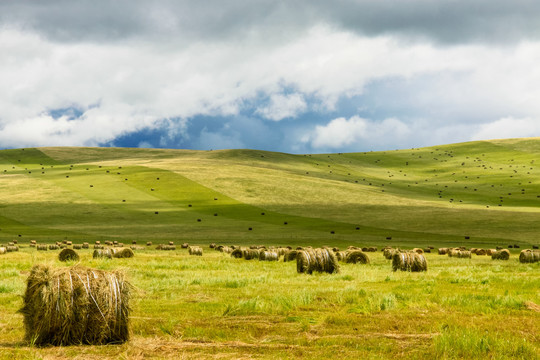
75	305
12	248
68	255
409	261
320	260
195	250
480	252
250	254
463	254
529	256
77	246
290	255
3	250
268	256
357	256
237	254
442	251
102	253
123	253
42	247
503	254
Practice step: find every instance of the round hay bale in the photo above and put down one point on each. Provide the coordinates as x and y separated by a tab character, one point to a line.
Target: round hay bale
11	243
335	249
529	256
148	243
77	246
42	247
68	255
268	256
33	242
123	253
196	250
388	253
15	241
3	250
357	256
418	250
341	255
12	248
85	245
98	242
97	246
183	246
75	305
53	247
372	249
69	243
134	242
409	261
251	254
442	251
237	254
320	260
427	250
503	254
102	253
490	252
480	252
290	255
212	245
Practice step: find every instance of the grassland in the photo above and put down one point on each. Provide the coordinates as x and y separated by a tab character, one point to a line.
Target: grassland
216	306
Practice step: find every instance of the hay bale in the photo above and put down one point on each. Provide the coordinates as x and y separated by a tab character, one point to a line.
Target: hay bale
85	245
427	250
490	252
98	242
409	261
388	252
372	249
123	253
196	250
442	251
418	250
53	247
183	246
12	248
134	242
357	256
11	243
212	245
69	243
320	260
237	254
102	253
341	255
75	305
3	250
42	247
97	246
290	255
460	254
529	256
77	246
148	243
503	254
268	256
480	252
250	254
68	255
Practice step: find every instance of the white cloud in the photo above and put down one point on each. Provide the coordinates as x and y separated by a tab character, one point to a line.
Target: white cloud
508	127
283	106
343	132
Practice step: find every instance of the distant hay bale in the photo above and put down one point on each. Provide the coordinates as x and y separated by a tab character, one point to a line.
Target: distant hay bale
212	245
409	261
226	249
503	254
250	254
183	246
12	248
365	249
357	256
195	250
388	253
75	305
237	254
33	242
134	242
3	250
69	243
529	256
460	254
14	241
123	253
268	256
490	252
42	247
68	255
97	246
290	255
442	251
85	245
102	253
335	249
77	246
341	255
97	242
480	252
499	247
320	260
372	249
11	243
418	250
427	250
119	245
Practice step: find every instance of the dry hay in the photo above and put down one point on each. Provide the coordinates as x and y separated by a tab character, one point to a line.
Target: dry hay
427	250
341	255
443	251
372	249
68	255
335	249
3	250
85	245
14	241
480	252
320	260
418	250
42	247
409	261
12	248
69	243
237	253
149	243
251	254
119	245
490	252
75	305
183	246
102	253
134	242
529	256
11	243
357	256
109	243
123	253
98	242
290	255
33	242
97	246
388	253
460	254
503	254
268	256
77	246
168	247
225	249
212	245
195	250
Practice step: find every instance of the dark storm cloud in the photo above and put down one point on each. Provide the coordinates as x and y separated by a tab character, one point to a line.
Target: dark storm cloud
441	21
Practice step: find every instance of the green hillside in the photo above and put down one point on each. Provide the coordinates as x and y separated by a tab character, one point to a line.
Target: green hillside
488	191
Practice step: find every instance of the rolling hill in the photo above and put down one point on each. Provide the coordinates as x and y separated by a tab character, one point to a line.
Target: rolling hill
487	190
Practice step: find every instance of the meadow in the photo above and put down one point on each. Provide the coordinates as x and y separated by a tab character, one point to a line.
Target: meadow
480	194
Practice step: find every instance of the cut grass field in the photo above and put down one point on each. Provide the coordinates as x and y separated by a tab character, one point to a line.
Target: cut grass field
216	306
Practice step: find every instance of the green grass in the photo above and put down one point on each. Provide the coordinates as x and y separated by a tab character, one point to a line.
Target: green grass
216	306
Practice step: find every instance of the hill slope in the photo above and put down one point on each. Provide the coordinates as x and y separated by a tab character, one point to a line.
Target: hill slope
487	190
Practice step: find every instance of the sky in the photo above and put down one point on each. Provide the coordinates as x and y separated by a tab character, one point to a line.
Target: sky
303	76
